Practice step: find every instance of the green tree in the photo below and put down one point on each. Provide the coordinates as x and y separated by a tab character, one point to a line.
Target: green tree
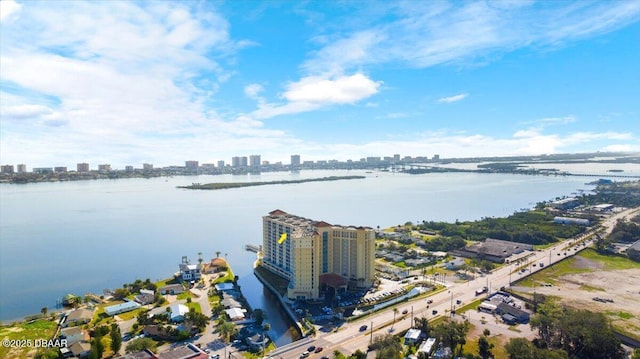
452	334
258	315
387	347
44	311
139	344
359	354
484	347
116	338
422	323
196	319
226	330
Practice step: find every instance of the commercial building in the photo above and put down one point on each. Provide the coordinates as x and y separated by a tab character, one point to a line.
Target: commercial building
314	255
104	168
295	160
60	169
254	160
22	168
220	164
191	165
6	169
82	167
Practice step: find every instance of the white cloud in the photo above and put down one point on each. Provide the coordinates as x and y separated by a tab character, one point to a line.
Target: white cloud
8	8
452	99
253	90
340	90
314	92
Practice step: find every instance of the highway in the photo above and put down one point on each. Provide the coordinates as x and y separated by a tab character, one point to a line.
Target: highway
349	338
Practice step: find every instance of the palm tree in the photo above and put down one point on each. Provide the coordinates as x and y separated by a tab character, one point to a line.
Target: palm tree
200	258
218	254
44	311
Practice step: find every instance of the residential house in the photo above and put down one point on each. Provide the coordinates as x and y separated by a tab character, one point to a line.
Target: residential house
236	313
172	289
78	317
188	351
412	336
144	354
216	265
427	346
455	264
74	335
121	308
80	349
189	272
178	311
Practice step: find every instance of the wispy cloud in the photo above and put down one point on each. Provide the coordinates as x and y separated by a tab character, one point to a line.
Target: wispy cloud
454	98
423	34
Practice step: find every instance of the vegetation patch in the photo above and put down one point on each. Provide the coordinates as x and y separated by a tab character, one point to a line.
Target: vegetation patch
591	288
227	185
621	314
36	330
611	262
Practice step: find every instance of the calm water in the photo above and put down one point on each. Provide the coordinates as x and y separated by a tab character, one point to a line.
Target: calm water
79	237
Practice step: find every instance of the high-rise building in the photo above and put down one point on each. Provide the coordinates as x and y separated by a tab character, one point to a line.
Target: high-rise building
6	169
243	161
22	168
220	164
147	167
396	158
295	160
60	169
104	168
315	254
191	165
129	169
254	160
82	167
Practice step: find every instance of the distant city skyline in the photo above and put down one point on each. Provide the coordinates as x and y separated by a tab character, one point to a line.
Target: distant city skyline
124	83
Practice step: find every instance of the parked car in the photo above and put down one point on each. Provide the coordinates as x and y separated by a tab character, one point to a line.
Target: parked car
363	328
434	312
304	354
311	348
405	311
318	349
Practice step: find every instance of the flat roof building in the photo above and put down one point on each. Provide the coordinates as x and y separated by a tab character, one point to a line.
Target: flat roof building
315	254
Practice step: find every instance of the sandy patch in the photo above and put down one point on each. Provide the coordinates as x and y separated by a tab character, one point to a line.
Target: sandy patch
621	286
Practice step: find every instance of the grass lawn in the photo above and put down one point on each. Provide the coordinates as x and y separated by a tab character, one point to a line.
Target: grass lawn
194	305
164	282
39	329
552	273
498	348
610	262
183	295
129	315
269	348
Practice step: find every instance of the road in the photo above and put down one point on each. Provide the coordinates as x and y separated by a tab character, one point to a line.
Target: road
349	338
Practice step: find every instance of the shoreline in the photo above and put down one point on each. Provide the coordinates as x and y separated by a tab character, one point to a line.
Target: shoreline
228	185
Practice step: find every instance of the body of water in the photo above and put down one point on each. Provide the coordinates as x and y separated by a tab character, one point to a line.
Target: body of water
85	236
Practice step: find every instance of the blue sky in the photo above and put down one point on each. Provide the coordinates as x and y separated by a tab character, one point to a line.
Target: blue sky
163	82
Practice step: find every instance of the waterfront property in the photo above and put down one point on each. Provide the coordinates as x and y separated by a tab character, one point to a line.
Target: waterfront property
121	308
189	272
313	255
172	289
78	316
